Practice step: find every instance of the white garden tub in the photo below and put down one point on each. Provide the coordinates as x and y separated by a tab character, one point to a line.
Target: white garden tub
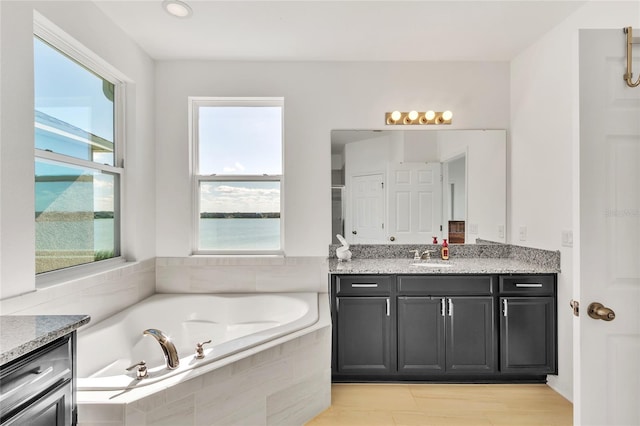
234	323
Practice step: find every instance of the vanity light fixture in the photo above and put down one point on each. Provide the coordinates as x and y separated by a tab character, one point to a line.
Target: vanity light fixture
415	117
177	8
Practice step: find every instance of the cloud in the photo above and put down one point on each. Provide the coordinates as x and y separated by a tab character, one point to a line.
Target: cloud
246	198
237	167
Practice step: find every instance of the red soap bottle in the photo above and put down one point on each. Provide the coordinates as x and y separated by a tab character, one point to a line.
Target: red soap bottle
444	252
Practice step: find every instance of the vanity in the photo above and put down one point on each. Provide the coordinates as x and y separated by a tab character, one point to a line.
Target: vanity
37	365
488	314
490	318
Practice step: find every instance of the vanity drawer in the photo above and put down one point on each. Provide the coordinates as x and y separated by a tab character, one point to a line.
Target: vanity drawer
358	285
445	285
527	285
33	375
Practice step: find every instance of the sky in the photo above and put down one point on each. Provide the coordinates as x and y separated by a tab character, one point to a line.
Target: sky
240	141
232	141
73	100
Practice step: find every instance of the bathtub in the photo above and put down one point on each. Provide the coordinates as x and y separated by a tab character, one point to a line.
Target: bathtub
234	323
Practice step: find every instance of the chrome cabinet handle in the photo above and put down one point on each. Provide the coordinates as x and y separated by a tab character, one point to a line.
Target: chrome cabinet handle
450	308
364	285
24	381
388	307
520	285
505	307
442	306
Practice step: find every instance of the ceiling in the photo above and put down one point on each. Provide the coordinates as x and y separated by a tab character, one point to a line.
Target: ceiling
346	30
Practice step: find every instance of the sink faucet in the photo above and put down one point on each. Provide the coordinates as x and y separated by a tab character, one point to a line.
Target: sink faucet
168	348
426	255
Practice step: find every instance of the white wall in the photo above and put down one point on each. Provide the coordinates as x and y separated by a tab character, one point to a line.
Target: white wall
486	180
544	137
87	24
420	146
457	178
367	156
319	97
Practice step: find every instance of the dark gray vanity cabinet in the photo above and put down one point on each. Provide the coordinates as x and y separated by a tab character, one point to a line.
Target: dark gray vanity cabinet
470	337
442	332
528	339
37	388
439	327
421	335
363	324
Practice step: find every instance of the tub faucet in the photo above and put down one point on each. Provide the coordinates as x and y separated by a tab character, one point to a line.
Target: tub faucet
168	348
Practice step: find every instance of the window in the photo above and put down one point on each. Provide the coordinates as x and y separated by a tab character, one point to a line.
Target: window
77	158
237	150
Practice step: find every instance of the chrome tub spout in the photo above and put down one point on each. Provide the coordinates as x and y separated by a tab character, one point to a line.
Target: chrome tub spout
168	348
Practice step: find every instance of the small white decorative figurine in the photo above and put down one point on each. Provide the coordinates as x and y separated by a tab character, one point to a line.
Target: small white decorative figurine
343	253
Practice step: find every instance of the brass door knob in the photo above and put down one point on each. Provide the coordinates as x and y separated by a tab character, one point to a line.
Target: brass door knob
599	311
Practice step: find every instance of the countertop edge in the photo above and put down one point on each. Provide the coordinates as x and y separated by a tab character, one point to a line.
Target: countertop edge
468	266
55	326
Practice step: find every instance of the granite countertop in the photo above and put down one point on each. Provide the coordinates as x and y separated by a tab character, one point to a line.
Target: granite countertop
482	265
21	334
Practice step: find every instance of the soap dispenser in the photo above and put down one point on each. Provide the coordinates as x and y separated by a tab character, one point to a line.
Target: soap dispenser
444	252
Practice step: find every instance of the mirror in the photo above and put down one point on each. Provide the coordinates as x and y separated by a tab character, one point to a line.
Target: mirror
408	186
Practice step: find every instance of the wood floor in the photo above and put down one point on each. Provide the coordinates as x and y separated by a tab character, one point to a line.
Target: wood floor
444	404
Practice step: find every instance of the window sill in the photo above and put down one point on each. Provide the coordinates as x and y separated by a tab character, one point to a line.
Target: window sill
53	278
272	254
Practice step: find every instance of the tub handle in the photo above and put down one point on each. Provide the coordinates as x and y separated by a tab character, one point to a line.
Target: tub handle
141	372
199	350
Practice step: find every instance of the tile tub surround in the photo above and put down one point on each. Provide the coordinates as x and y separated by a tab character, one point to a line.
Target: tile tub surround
285	381
505	256
98	295
241	274
21	334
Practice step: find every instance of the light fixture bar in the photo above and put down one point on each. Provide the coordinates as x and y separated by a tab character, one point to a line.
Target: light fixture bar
418	118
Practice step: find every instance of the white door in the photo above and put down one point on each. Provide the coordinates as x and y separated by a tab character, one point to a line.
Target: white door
607	353
415	202
367	209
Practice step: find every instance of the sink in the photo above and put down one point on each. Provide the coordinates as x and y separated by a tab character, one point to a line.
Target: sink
432	265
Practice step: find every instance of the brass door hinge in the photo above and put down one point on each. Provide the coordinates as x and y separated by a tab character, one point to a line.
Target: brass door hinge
575	305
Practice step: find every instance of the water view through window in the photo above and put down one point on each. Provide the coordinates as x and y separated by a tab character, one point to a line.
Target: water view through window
240	215
239	175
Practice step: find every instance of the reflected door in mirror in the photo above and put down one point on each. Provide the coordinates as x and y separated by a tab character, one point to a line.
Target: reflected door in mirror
367	215
415	202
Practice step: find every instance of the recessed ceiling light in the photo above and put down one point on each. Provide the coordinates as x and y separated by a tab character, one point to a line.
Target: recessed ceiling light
177	8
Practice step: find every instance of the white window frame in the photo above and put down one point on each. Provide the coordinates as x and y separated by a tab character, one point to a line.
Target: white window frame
53	35
195	102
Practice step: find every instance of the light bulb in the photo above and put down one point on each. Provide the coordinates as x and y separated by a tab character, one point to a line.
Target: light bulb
395	115
447	115
413	115
429	115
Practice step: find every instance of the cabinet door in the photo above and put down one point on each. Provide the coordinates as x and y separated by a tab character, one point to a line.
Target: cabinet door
527	335
421	335
364	335
470	342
